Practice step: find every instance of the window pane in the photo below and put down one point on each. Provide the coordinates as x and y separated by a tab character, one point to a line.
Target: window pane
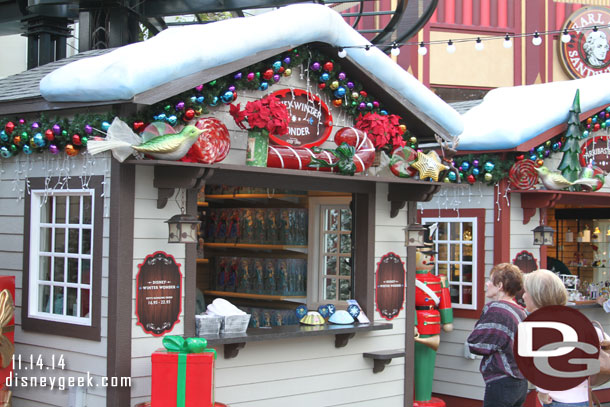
455	252
44	293
58	269
455	272
455	231
346	219
467	273
454	291
72	240
71	302
60	209
443	250
87	209
442	269
442	230
345	268
44	268
346	244
74	213
332	219
85	300
58	300
86	236
467	252
467	231
85	271
45	239
467	295
331	265
345	290
330	289
60	240
72	270
331	243
45	210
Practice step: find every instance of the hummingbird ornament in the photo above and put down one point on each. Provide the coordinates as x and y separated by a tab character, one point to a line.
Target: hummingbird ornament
590	180
123	142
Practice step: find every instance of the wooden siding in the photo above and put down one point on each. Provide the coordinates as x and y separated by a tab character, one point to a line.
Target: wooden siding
81	356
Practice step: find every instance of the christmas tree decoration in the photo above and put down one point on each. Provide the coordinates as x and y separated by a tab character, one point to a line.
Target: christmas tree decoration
570	164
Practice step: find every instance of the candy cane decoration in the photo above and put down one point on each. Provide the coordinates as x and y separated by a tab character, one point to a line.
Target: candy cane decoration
299	158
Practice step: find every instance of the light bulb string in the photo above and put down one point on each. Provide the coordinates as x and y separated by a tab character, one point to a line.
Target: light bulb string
505	37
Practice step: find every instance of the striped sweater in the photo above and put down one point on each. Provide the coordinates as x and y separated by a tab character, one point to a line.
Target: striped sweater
493	337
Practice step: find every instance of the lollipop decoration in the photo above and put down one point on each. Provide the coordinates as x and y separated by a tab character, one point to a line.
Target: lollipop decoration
213	143
523	175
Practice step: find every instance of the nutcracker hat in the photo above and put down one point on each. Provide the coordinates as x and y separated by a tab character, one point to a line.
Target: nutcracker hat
429	231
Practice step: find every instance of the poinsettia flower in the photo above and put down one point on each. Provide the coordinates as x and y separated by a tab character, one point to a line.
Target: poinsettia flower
382	130
267	113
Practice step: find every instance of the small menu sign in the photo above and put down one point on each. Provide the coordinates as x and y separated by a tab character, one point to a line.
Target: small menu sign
310	120
158	294
390	287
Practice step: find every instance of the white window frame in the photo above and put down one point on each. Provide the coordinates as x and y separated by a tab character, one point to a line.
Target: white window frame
473	263
38	197
316	273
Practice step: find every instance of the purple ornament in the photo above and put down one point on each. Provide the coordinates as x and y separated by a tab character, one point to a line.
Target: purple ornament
475	163
88	129
179	106
237	76
350	85
56	129
276	78
232	88
199	88
53	149
250	76
375	103
315	66
21	121
341	76
35	125
532	151
362	106
287	60
546	153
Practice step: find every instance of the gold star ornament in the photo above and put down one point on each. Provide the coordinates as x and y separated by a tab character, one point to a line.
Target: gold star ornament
429	165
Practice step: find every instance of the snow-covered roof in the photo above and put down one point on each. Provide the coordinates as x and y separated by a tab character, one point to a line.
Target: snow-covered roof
510	116
182	51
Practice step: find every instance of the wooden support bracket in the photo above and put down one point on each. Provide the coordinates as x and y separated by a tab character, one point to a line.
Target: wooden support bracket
341	340
399	194
231	350
167	179
383	358
531	202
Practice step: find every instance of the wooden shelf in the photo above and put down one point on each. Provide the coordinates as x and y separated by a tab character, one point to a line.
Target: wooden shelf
254	296
203	261
255	196
589	267
254	246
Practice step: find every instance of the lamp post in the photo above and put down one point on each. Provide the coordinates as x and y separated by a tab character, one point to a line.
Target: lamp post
543	235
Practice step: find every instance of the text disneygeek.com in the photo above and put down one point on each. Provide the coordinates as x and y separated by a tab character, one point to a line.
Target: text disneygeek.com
16	380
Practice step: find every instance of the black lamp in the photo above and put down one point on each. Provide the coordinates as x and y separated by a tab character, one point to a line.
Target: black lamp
543	235
415	235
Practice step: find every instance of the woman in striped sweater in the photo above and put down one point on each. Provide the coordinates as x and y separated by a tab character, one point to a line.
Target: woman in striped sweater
493	337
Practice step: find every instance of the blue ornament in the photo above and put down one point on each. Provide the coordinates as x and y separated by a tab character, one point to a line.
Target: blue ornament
5	152
264	86
27	149
383	112
172	120
324	77
340	92
555	146
193	99
161	117
214	101
465	165
585	133
533	157
276	66
39	140
227	97
3	136
540	149
489	166
200	99
301	311
105	126
452	176
594	119
475	171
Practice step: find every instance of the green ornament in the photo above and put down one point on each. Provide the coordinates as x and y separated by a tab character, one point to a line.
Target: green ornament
84	141
24	137
258	74
14	148
167	108
212	83
64	133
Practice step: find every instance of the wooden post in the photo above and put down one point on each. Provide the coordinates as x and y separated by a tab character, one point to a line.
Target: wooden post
410	313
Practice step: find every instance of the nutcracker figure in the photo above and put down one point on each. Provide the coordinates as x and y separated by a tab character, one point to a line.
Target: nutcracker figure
432	309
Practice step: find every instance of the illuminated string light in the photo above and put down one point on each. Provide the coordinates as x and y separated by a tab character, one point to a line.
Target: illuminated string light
395	50
450	47
508	43
422	50
537	40
566	37
342	53
479	45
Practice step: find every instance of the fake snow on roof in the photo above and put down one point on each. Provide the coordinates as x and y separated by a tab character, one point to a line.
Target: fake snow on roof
181	51
510	116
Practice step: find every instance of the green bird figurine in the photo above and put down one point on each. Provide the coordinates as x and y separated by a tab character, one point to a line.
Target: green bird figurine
123	142
556	181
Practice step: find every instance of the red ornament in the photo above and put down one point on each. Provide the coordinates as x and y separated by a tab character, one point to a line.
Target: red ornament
49	135
281	70
596	127
471	179
138	126
519	157
321	85
363	94
76	140
10	126
189	114
328	66
268	74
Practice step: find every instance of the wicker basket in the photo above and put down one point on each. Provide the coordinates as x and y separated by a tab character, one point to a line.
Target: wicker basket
235	324
208	324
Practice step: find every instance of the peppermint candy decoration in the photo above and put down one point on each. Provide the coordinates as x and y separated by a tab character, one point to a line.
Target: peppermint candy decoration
523	175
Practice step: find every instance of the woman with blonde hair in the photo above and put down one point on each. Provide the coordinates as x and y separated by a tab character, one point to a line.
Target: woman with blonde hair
544	288
493	338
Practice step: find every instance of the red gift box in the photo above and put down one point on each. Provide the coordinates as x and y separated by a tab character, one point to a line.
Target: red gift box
199	382
8	330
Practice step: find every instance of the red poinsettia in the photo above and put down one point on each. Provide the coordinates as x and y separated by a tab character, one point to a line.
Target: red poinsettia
383	130
267	113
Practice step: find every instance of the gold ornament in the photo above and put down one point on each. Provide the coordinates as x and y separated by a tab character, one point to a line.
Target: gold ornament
288	72
429	165
334	85
355	95
412	139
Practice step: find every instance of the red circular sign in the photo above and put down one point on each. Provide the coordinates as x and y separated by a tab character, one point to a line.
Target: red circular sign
597	150
587	53
310	120
557	325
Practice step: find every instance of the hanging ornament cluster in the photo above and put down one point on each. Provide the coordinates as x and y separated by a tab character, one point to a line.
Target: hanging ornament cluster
488	168
597	122
56	136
